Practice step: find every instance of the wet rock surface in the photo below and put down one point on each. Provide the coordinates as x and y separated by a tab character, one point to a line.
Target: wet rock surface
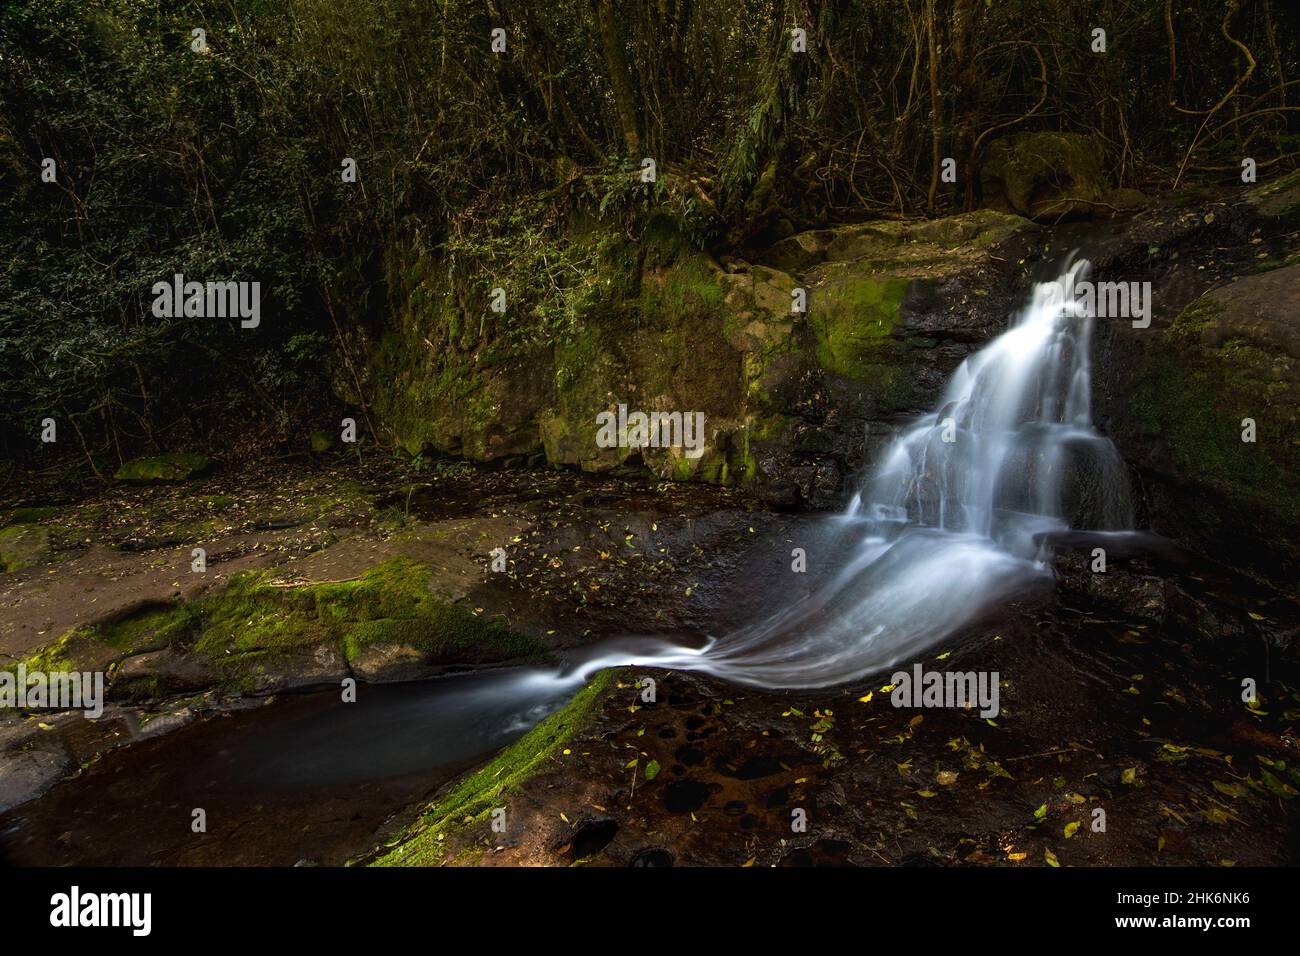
1119	691
1101	710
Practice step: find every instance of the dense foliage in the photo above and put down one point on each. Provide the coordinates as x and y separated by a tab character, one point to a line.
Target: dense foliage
224	163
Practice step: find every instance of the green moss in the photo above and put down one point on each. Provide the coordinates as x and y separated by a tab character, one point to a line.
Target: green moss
390	604
103	647
174	467
22	546
574	358
471	800
252	625
853	325
853	322
664	241
158	627
1195	398
58	656
28	515
688	292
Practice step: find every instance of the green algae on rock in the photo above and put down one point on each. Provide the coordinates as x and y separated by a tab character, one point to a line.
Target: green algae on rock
22	546
471	800
174	467
1044	175
1230	356
256	636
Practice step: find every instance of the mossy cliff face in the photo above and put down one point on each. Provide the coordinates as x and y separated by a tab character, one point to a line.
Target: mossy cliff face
786	392
436	384
665	351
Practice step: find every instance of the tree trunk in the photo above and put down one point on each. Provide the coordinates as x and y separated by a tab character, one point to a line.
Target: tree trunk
620	78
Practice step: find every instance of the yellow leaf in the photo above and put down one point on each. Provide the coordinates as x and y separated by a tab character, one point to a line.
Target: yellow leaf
1050	857
1071	828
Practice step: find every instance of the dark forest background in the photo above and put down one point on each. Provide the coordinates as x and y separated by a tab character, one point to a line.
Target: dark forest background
225	164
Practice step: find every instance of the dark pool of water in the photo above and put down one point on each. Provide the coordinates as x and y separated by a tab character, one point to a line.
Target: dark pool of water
304	777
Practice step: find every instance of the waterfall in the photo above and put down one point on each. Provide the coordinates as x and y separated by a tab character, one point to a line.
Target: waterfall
950	523
948	526
1010	450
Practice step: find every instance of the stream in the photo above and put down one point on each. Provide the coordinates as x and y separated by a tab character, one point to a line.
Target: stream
951	525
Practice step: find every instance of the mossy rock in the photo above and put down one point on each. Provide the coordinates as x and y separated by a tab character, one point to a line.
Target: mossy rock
670	354
1278	198
798	252
1232	355
28	515
1045	176
472	799
174	467
980	229
22	546
853	323
253	624
130	638
255	637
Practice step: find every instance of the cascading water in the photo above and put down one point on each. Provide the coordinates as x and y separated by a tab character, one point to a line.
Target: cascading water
1011	448
951	522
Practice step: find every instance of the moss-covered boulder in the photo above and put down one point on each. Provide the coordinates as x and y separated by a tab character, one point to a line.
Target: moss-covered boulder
1277	198
1045	176
1215	414
174	467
